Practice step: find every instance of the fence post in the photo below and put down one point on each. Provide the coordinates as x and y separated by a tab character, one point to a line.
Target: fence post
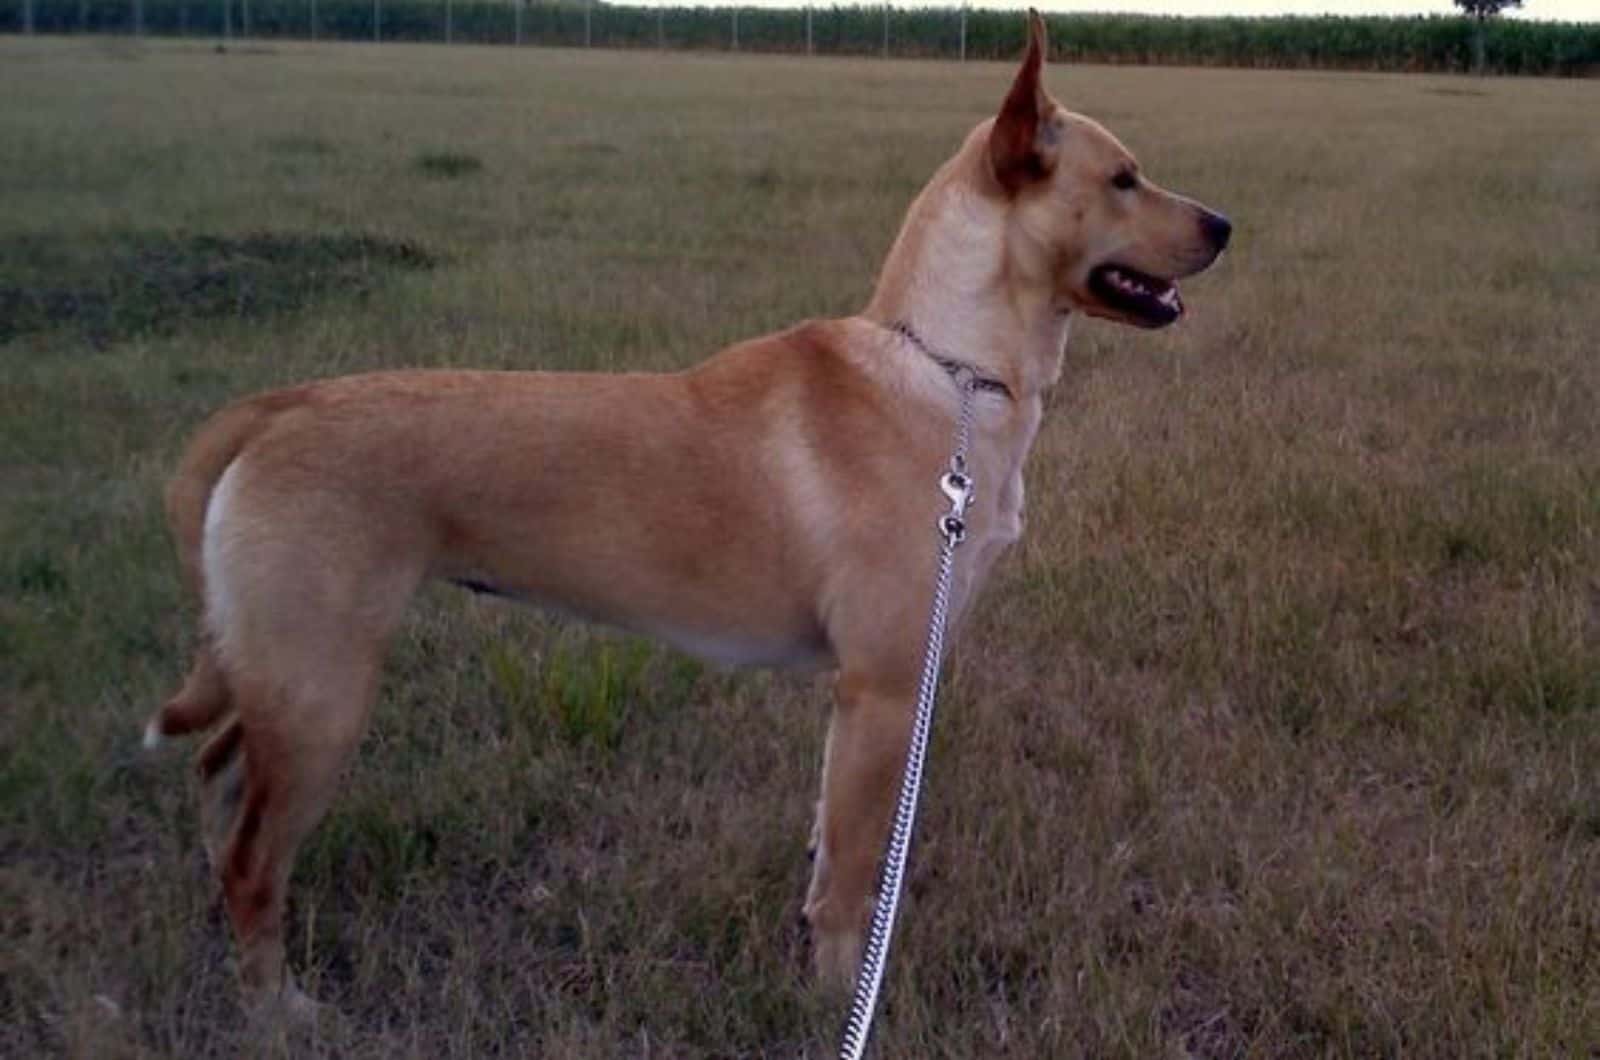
313	19
736	29
516	5
661	27
963	32
244	18
588	24
27	16
227	21
138	18
886	31
809	49
377	21
449	28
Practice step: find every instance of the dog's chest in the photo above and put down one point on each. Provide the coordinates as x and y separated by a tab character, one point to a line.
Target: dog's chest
998	524
1006	472
1008	510
999	527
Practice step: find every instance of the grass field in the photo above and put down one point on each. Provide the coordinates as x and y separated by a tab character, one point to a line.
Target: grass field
1276	737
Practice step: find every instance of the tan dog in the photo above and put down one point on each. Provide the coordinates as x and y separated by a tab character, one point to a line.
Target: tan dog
774	505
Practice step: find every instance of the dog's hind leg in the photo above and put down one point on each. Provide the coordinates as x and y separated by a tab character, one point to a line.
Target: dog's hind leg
268	778
302	587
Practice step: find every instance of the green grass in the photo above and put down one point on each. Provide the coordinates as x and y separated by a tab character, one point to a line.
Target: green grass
1275	737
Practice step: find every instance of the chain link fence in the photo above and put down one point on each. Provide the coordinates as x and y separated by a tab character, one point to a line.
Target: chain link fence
834	30
1423	43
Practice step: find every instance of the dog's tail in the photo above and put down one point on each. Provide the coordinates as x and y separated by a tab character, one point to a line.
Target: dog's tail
204	697
219	440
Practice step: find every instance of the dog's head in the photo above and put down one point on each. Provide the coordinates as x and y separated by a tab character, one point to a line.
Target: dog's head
1110	241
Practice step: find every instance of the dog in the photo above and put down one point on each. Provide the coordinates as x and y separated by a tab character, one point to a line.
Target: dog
774	505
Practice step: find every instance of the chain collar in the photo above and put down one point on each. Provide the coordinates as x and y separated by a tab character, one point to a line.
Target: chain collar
955	368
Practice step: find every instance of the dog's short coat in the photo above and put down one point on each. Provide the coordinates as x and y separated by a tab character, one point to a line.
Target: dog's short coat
774	504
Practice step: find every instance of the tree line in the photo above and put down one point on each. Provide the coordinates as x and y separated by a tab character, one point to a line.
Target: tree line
1423	43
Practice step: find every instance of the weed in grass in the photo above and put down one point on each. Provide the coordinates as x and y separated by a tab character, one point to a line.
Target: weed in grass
448	165
36	572
589	694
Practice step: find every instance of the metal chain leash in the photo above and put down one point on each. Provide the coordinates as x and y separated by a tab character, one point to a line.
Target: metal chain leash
957	486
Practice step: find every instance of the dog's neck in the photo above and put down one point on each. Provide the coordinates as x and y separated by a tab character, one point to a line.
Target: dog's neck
950	276
958	369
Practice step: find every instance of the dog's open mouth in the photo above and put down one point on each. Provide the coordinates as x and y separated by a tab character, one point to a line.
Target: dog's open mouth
1142	298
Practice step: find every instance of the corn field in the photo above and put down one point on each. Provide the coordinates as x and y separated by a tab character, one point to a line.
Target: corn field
1432	43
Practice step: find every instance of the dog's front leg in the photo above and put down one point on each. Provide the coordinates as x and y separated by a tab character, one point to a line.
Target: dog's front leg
861	767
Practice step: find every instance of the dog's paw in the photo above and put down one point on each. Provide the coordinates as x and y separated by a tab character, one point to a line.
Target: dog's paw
836	956
287	1007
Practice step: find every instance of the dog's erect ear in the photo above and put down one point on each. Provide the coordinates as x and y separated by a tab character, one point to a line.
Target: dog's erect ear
1021	145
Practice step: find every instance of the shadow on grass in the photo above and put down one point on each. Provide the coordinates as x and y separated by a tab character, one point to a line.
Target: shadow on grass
115	286
1470	92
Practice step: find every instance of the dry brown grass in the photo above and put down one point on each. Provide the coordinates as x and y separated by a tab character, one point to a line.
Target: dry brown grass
1275	738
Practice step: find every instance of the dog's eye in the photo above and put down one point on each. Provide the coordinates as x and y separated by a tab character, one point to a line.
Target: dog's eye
1124	180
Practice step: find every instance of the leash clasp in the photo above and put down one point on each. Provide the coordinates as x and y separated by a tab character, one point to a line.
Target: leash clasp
957	486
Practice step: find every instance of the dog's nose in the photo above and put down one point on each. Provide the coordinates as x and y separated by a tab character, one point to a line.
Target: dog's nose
1217	229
